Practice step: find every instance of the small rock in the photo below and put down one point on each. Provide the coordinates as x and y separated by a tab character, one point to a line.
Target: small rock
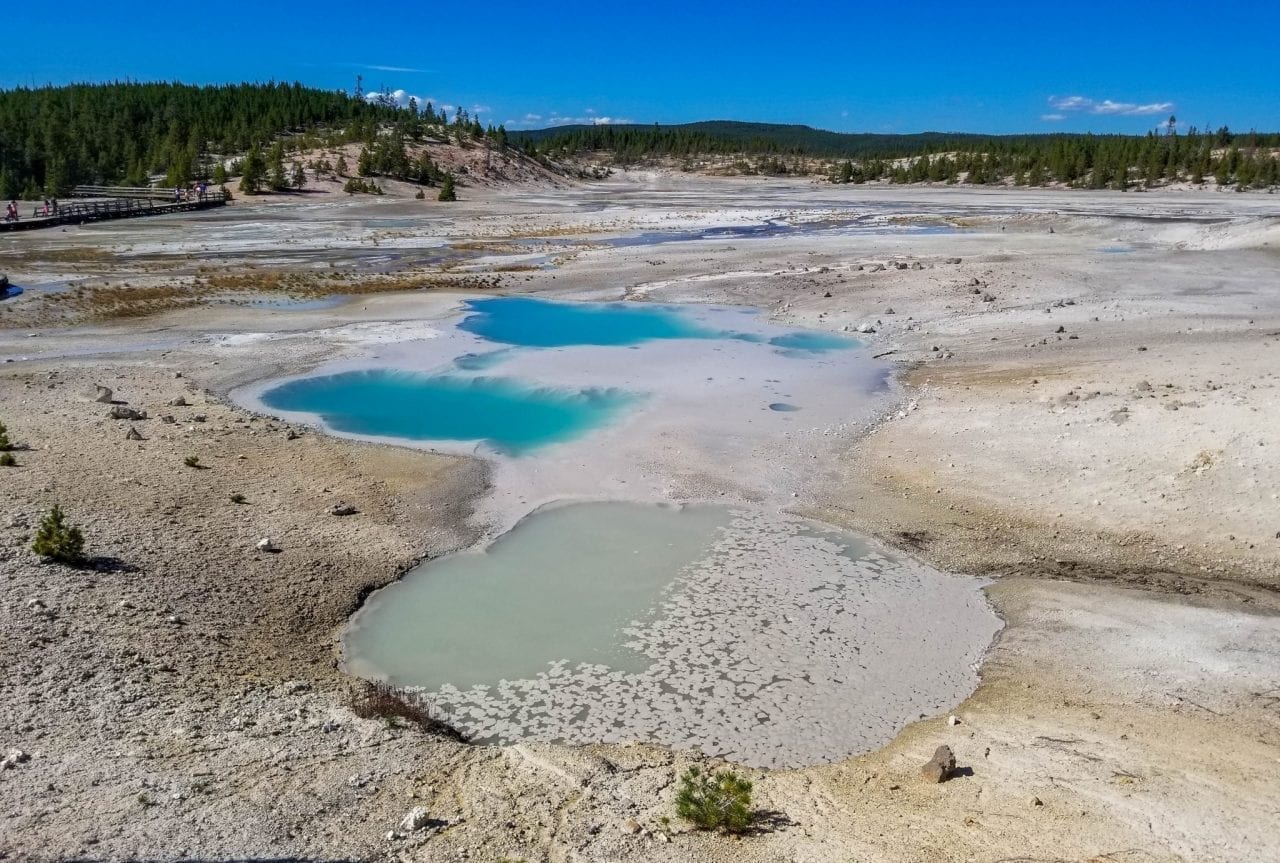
103	395
14	758
988	298
940	766
179	402
631	826
416	819
890	311
265	544
866	328
1035	801
953	720
168	419
1060	329
952	260
341	508
132	434
827	295
199	418
120	412
292	435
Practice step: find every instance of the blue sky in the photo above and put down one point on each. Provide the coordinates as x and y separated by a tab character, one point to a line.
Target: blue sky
902	67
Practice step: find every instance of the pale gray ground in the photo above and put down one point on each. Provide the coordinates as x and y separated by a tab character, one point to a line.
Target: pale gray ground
156	704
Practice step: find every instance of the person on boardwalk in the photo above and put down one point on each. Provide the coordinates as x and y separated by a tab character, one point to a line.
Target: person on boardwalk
11	212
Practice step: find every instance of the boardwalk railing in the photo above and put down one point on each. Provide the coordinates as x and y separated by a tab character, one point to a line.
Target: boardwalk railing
146	193
116	202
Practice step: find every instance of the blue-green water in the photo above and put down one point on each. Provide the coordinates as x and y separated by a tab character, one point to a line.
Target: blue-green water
531	322
512	415
545	324
509	416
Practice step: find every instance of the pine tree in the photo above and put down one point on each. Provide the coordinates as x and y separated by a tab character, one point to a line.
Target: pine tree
58	541
364	165
278	179
1222	173
299	176
252	171
341	168
447	192
219	174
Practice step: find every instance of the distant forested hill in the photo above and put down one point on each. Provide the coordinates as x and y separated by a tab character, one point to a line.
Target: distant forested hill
728	136
1096	161
52	138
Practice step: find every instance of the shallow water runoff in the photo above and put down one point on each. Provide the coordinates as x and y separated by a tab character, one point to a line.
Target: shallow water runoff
738	630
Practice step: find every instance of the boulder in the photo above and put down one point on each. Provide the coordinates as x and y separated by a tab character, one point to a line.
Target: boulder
265	544
866	328
342	508
103	394
179	402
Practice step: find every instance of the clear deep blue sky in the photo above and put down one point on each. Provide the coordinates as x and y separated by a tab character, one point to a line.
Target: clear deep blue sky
904	66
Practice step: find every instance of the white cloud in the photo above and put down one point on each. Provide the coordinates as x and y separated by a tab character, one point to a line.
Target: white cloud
481	109
1070	103
1106	107
395	69
399	97
1053	118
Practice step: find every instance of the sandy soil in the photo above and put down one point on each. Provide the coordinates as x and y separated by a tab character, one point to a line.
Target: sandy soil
182	700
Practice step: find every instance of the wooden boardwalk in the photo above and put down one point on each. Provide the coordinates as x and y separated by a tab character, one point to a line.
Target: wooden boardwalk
112	202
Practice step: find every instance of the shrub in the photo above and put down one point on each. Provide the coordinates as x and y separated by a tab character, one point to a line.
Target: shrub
7	460
5	445
715	801
378	700
56	540
192	461
420	195
237	498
